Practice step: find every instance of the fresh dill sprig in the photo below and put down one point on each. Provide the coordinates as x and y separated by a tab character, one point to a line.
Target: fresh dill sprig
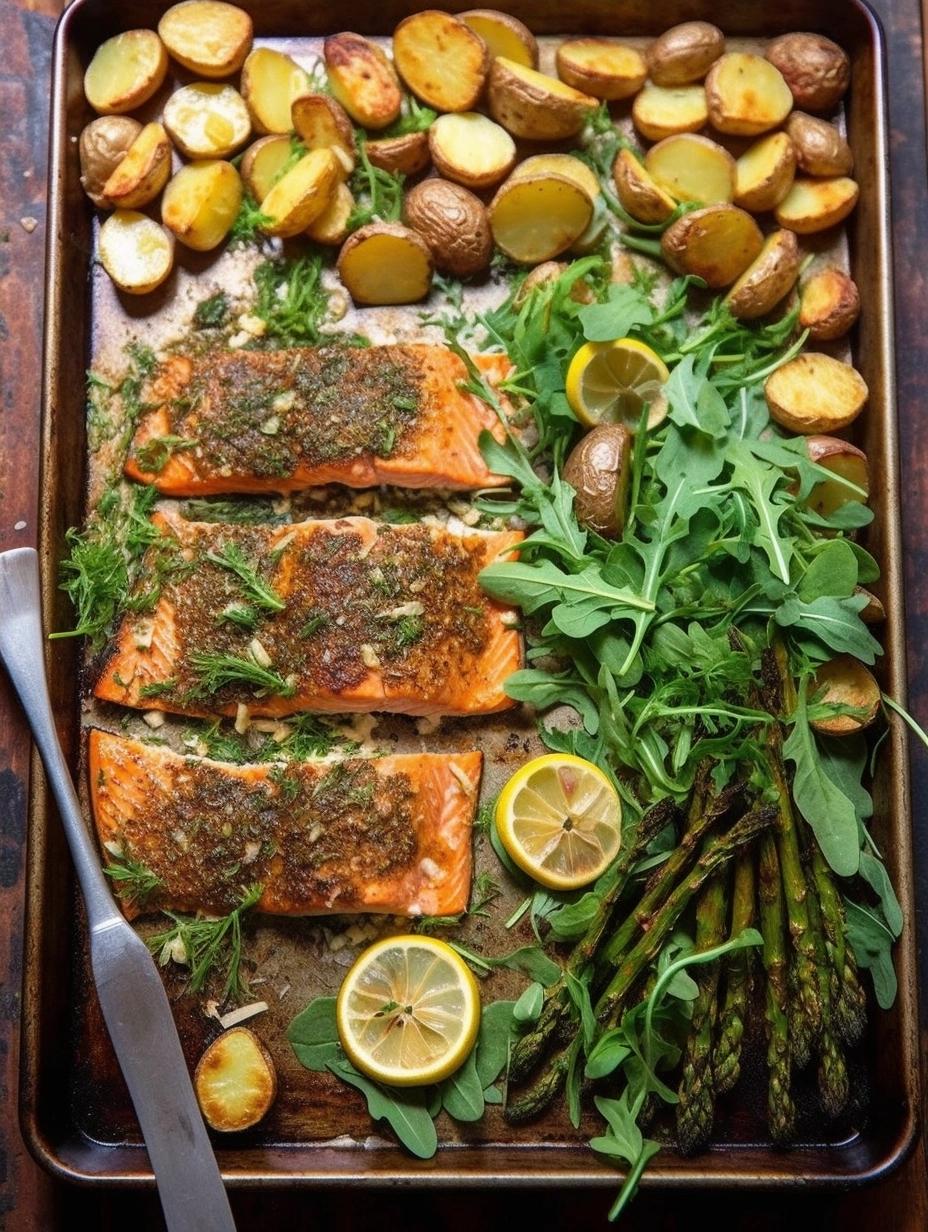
207	945
157	451
218	670
213	312
291	300
158	688
240	614
484	890
485	813
308	736
231	557
413	118
243	512
247	228
133	880
378	194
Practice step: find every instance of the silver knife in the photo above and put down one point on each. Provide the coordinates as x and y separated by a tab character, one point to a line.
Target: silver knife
132	997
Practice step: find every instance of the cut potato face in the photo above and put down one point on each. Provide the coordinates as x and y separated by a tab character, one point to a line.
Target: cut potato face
816	205
441	60
767	279
263	164
207	120
201	203
746	95
664	111
362	79
504	35
533	105
847	464
829	304
385	263
135	251
764	173
845	681
104	144
321	123
207	36
601	67
538	217
301	194
560	164
270	83
638	192
820	148
815	393
470	148
331	227
125	72
454	224
716	243
406	155
235	1081
816	70
692	168
685	53
143	172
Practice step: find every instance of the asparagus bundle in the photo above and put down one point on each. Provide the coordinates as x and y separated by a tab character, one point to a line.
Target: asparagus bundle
734	1010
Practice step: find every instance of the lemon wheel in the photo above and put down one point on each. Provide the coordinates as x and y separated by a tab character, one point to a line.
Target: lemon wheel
408	1011
612	382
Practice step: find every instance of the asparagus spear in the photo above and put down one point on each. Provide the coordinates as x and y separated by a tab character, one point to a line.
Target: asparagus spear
738	980
832	1070
850	1003
781	1111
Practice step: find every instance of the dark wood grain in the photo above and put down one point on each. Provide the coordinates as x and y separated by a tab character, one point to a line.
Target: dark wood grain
28	1199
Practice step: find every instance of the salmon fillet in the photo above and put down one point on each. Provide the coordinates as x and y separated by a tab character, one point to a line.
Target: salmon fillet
279	421
353	616
386	834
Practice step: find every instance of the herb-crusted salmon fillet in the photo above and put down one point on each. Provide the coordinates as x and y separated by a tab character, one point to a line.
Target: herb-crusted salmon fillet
385	834
327	615
279	421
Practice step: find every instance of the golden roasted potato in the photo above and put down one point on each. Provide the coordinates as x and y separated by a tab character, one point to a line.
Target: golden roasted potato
816	70
815	393
560	164
504	35
598	470
144	171
767	279
302	194
207	36
323	124
270	83
441	60
125	72
135	251
331	227
235	1081
207	120
537	217
638	193
263	163
820	148
684	53
385	263
104	144
829	304
815	205
849	466
362	79
601	67
532	105
764	173
201	203
716	243
845	681
454	224
746	95
664	111
692	168
405	155
470	148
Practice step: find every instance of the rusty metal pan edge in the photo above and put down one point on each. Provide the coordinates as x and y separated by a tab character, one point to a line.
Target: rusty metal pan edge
70	1159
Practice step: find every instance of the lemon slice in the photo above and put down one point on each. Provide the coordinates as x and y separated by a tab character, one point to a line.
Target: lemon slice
560	819
408	1011
612	382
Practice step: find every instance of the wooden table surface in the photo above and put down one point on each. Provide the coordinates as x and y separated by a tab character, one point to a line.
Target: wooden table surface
29	1200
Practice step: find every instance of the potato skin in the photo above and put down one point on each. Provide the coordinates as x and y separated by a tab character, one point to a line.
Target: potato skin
697	244
598	81
211	1065
454	224
145	170
362	79
406	155
801	395
816	205
684	53
846	680
103	145
597	469
525	108
441	59
637	191
766	194
820	148
771	276
759	111
829	304
816	70
498	30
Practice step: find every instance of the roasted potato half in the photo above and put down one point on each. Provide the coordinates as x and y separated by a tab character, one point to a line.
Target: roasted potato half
104	143
664	111
125	72
560	164
263	163
815	393
385	263
764	173
601	67
201	203
321	123
847	464
235	1081
206	36
454	224
302	194
845	681
746	95
685	53
816	205
537	217
533	105
441	60
270	83
692	168
874	613
716	243
816	70
471	148
331	227
598	470
829	304
770	276
504	35
144	171
638	192
405	155
207	119
820	148
362	79
135	251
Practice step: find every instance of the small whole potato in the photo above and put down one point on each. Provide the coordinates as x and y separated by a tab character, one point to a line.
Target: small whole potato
829	304
820	148
598	470
684	53
454	224
816	70
767	279
405	155
845	681
103	145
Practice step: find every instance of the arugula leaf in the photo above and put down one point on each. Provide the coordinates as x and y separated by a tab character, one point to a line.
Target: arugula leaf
313	1035
405	1109
529	1005
497	1030
834	622
462	1093
531	960
832	572
872	941
624	308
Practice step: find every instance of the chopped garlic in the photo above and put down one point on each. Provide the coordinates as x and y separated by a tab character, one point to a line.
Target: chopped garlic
266	725
281	732
271	426
173	951
242	718
282	992
114	848
211	1009
242	1014
258	653
509	619
143	633
369	656
154	718
282	544
413	608
284	401
252	850
251	324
